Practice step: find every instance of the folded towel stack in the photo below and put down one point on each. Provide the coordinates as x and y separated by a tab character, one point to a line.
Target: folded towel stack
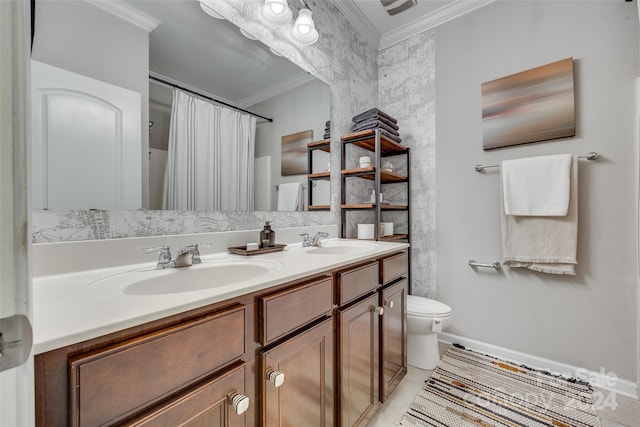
377	119
327	130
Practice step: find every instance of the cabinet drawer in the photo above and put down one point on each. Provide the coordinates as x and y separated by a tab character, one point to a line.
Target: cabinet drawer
110	384
285	311
393	267
208	404
356	282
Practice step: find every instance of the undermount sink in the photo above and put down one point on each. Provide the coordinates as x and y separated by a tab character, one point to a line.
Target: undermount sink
210	274
337	247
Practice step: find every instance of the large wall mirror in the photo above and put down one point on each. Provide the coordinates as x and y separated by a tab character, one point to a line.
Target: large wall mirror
74	156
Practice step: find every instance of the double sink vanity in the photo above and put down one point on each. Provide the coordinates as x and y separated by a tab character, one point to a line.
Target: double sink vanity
309	336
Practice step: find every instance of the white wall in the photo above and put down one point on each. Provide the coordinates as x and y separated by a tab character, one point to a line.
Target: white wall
588	320
303	108
85	39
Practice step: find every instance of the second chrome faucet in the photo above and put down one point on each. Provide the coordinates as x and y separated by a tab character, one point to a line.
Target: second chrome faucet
313	240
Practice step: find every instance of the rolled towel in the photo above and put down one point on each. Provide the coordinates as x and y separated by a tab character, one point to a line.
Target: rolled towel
373	112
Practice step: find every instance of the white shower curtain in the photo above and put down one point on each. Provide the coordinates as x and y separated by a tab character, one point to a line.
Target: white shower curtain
210	159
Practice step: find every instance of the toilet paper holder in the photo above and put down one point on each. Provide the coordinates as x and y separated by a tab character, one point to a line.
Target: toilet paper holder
496	264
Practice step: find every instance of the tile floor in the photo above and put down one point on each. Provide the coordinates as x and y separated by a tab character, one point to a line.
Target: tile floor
625	414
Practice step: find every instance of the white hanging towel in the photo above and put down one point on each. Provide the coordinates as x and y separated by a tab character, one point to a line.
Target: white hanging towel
289	196
537	186
543	243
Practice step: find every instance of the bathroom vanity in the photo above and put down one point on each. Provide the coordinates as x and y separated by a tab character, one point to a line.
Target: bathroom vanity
318	341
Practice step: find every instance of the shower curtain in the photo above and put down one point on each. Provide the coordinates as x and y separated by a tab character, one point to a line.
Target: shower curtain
210	158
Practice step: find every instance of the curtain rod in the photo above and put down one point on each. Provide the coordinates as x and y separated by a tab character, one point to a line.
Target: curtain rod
208	97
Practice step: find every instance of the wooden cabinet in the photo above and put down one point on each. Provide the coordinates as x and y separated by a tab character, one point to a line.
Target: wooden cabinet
358	327
296	368
393	337
141	372
297	379
358	340
393	329
337	339
217	402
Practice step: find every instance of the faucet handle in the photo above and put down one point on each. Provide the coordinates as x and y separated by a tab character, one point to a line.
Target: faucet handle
322	234
164	256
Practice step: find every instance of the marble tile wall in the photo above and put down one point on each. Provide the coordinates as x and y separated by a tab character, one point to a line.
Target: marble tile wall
407	92
340	58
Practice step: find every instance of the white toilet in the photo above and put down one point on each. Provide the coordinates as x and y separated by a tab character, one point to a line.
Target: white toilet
425	318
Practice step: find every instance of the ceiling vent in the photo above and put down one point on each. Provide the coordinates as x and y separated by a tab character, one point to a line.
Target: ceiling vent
393	7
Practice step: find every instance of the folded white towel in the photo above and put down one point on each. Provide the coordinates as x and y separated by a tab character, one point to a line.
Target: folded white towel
537	186
543	243
289	196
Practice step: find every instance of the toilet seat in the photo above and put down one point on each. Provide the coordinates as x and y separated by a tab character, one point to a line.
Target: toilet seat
425	307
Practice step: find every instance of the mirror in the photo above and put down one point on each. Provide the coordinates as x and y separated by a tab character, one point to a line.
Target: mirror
190	49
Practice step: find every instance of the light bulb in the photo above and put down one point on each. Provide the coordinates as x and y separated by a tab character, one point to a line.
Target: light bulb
276	12
304	30
276	8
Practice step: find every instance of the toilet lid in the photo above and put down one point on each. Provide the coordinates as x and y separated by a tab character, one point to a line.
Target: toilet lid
420	306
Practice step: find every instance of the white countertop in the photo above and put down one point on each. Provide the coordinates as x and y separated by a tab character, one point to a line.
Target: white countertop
81	305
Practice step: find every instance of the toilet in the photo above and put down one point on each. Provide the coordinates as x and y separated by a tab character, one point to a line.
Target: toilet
425	318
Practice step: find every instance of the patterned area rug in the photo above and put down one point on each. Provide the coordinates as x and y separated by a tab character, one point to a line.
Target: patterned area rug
471	389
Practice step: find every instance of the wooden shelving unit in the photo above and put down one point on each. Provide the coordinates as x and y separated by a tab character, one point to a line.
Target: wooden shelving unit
325	146
381	147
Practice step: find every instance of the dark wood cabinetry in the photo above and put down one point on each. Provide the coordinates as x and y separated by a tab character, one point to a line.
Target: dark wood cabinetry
393	337
358	362
297	379
318	351
217	402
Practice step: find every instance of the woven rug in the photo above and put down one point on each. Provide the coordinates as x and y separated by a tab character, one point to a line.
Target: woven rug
472	389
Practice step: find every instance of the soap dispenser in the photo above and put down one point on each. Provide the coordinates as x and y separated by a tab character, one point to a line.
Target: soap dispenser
267	236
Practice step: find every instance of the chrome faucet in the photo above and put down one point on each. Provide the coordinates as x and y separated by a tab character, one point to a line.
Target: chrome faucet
313	241
187	256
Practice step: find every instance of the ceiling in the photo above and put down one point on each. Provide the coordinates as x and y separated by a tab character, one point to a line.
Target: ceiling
200	52
376	14
382	30
190	47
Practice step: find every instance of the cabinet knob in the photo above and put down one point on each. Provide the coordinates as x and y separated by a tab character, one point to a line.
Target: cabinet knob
389	304
378	310
240	402
276	378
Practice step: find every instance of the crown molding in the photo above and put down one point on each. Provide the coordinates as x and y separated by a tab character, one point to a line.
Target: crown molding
359	20
295	81
128	13
438	17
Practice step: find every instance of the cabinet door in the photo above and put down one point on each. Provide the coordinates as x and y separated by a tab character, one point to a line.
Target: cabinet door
210	404
393	337
358	362
305	396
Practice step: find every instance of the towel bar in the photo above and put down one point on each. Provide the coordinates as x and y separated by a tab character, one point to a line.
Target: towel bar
589	156
496	264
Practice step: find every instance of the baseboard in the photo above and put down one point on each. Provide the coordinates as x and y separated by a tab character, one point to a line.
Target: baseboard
597	379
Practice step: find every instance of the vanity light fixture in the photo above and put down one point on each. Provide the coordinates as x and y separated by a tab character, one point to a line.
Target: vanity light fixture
304	30
276	12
